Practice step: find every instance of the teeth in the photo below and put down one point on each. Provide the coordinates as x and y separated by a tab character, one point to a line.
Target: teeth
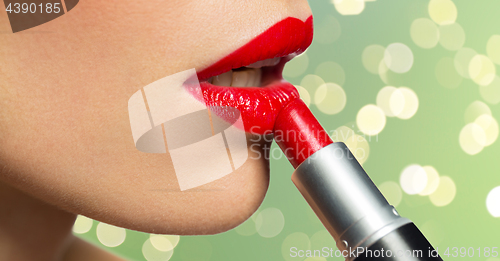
252	73
247	78
257	78
223	79
241	78
265	63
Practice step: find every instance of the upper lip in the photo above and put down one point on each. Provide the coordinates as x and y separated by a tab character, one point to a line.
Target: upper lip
280	40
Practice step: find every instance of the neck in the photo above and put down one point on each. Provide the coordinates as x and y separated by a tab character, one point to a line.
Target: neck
31	229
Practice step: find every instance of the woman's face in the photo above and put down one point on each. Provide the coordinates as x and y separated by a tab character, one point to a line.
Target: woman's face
65	135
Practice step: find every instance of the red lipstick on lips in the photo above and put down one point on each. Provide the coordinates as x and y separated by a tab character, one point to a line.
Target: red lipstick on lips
260	106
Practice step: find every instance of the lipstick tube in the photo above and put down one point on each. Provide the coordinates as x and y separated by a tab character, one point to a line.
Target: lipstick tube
364	225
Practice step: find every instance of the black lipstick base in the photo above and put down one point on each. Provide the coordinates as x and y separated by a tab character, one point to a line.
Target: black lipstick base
403	244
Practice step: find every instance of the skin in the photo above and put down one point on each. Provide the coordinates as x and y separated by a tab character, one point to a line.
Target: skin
65	139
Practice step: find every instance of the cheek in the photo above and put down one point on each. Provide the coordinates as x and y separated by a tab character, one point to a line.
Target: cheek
65	129
90	166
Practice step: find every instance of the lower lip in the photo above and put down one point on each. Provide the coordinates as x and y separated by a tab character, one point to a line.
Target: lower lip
259	106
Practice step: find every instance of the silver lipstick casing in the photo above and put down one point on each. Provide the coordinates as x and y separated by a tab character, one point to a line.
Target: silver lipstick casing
345	199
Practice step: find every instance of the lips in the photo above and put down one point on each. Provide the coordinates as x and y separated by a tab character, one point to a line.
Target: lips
259	106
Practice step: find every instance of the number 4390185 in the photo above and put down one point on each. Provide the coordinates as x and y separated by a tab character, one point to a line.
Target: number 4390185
33	8
471	252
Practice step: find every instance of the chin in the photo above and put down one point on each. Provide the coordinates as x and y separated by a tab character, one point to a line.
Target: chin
212	208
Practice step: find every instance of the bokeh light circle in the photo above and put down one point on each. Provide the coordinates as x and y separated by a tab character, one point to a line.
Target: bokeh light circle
383	72
349	7
442	11
359	147
304	94
297	66
490	128
446	73
411	103
311	83
297	240
432	181
371	119
398	57
247	228
424	33
351	142
331	72
151	253
491	92
164	242
493	202
474	110
391	100
445	193
327	31
471	139
482	70
110	235
493	48
371	58
413	179
269	222
342	134
451	36
462	60
392	192
82	224
330	98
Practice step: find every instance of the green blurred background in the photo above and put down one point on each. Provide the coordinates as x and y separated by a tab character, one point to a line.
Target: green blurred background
447	62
